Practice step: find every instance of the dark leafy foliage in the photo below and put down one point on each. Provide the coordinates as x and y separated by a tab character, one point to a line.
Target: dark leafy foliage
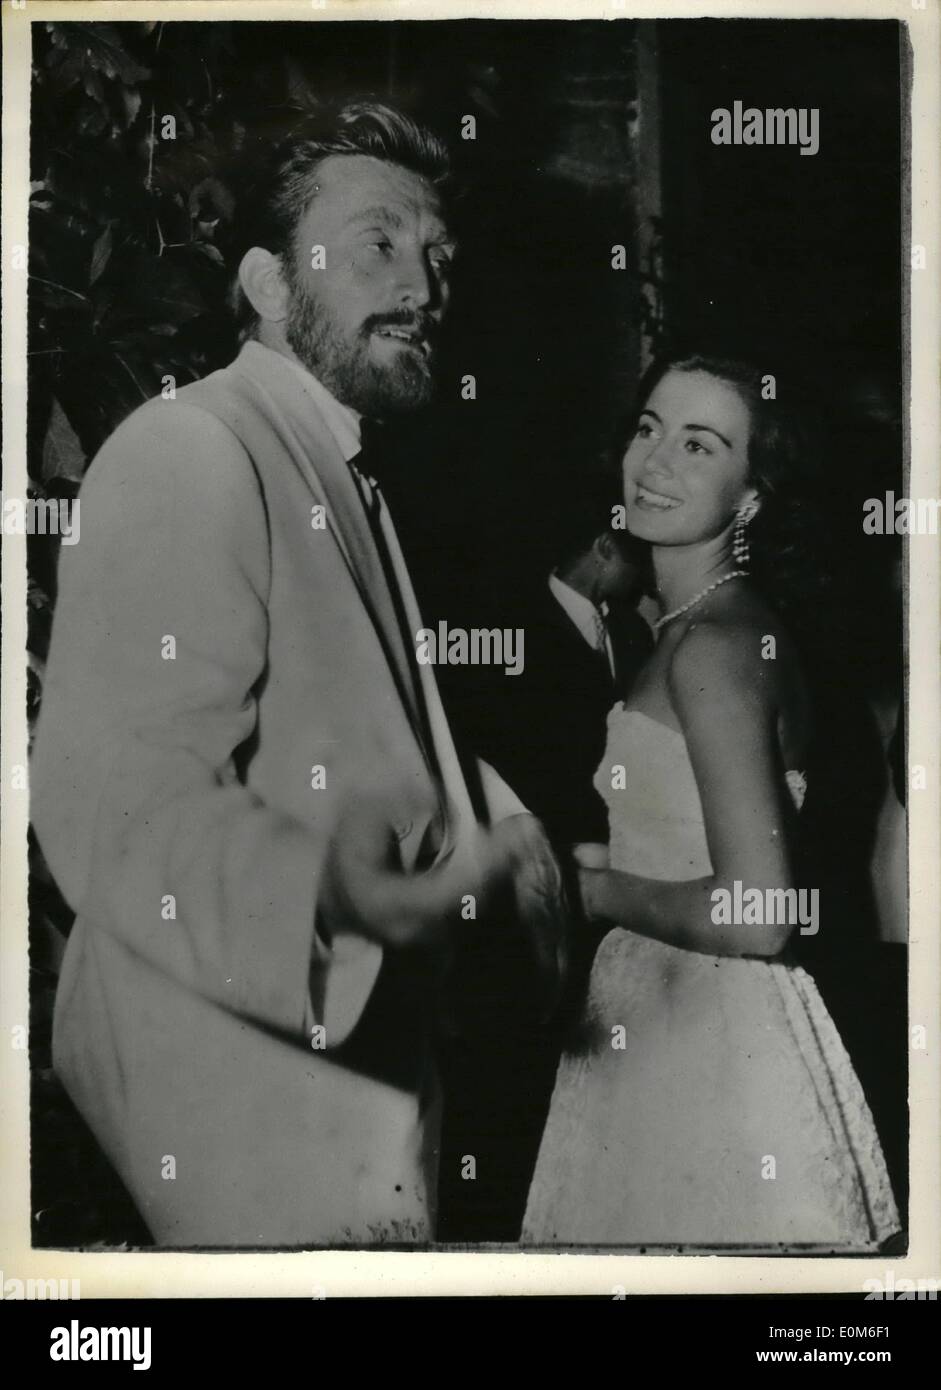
125	204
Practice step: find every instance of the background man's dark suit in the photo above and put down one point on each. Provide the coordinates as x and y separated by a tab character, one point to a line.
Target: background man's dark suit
544	731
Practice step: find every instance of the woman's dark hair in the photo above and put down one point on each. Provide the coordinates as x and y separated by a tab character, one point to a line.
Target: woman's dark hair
785	537
279	179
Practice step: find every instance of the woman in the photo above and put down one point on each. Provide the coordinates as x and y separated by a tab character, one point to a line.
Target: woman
708	1101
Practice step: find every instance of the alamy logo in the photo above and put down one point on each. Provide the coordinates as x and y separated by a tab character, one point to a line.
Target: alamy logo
772	126
901	516
41	516
477	646
900	1290
75	1343
39	1288
767	907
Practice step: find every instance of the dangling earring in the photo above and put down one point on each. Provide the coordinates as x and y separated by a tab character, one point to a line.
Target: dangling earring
741	551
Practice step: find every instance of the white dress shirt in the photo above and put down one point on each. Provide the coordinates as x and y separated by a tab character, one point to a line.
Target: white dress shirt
589	620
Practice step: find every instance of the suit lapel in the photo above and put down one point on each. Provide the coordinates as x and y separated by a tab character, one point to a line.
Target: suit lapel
446	760
300	422
594	663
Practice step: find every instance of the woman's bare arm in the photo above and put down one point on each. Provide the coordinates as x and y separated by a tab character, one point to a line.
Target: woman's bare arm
724	699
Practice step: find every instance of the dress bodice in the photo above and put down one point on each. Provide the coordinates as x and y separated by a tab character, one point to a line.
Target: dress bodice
654	811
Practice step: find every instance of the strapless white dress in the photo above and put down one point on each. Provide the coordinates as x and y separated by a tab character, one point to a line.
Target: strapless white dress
731	1118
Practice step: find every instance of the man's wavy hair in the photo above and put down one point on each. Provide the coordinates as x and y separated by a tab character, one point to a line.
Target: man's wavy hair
279	180
785	457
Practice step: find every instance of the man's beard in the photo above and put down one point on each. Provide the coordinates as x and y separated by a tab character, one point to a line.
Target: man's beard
344	366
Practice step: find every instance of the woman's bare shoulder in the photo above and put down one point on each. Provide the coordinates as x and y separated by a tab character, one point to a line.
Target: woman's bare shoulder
739	661
721	653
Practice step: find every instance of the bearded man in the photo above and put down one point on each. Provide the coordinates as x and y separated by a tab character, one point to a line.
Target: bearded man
243	781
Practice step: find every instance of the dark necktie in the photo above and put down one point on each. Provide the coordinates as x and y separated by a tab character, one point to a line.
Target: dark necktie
601	634
364	466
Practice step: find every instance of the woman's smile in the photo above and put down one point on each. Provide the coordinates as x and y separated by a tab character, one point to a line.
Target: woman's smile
650	500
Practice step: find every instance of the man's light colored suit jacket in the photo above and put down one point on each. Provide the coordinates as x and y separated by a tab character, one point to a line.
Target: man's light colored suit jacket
211	648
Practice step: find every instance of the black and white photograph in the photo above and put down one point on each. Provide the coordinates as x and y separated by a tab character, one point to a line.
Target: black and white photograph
468	517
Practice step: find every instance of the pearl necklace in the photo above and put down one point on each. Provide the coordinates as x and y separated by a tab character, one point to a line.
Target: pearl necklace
698	598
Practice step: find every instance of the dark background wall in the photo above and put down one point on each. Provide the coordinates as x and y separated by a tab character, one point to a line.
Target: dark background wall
799	261
798	254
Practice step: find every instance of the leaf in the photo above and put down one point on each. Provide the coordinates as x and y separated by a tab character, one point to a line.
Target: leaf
131	99
56	296
211	251
62	454
92	84
101	254
210	199
100	49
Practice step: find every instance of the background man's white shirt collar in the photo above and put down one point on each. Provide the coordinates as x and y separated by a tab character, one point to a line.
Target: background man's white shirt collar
585	616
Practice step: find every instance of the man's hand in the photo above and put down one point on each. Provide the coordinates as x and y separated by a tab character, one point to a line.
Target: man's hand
365	890
591	856
508	970
541	906
592	861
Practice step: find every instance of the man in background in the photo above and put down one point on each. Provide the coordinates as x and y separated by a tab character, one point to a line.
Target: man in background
585	642
544	731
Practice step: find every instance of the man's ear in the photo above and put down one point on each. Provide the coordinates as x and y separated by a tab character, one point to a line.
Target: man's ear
604	545
264	285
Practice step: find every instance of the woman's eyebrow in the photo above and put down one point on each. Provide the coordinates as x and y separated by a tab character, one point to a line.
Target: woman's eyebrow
710	430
